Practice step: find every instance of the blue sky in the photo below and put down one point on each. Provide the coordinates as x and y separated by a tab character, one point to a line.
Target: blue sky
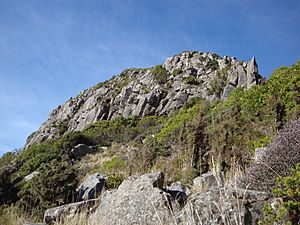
52	50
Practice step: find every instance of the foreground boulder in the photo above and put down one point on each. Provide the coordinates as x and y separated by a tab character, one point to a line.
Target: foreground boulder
224	206
92	187
138	200
64	212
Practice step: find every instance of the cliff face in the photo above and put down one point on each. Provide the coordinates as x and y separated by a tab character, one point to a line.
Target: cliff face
153	91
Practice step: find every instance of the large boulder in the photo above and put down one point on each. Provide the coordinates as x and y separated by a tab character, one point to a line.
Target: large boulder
224	206
91	187
138	200
65	212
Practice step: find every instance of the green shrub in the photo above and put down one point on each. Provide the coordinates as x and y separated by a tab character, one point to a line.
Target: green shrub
120	130
8	189
113	180
289	189
37	154
54	185
62	127
288	211
8	158
274	215
177	72
191	80
160	74
212	64
282	155
176	121
114	165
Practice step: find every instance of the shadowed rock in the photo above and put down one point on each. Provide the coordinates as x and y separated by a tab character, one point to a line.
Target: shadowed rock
64	212
91	187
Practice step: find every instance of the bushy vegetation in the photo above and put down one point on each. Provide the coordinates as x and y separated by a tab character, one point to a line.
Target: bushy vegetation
281	155
288	210
212	64
177	72
191	80
160	74
54	185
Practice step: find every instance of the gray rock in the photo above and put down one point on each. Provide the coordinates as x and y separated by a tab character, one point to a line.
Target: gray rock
252	73
81	150
233	78
223	206
32	175
207	180
138	200
227	91
64	212
91	187
242	80
260	154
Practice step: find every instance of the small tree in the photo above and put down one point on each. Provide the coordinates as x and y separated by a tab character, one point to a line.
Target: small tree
54	185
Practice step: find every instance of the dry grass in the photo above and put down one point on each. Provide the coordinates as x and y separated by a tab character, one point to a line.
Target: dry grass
12	216
78	219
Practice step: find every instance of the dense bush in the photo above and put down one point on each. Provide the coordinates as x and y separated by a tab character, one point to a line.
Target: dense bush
8	189
160	74
289	189
54	185
288	210
177	72
191	80
120	130
212	64
282	155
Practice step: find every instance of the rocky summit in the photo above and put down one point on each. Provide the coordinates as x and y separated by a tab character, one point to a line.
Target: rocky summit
151	91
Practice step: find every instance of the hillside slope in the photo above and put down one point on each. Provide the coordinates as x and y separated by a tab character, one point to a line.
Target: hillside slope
154	91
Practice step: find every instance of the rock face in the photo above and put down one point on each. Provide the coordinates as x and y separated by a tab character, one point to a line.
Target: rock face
64	212
207	180
154	91
92	186
138	200
223	206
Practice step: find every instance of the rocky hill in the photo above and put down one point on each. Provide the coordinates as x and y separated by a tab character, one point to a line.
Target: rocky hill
153	91
199	139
